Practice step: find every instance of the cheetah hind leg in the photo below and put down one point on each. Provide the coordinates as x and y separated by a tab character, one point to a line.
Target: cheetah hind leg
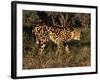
60	49
41	49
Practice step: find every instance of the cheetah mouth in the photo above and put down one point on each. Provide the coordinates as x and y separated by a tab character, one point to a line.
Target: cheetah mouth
78	39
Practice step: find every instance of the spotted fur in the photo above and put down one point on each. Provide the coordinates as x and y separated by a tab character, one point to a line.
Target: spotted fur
58	35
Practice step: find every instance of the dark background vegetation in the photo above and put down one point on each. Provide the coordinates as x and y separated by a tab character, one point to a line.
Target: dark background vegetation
79	55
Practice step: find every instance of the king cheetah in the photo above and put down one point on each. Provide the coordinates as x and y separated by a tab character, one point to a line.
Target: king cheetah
58	35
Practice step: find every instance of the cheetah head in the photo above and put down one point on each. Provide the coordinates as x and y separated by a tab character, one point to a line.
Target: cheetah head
76	34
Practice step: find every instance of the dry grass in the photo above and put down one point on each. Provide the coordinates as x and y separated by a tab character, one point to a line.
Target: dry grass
80	52
78	56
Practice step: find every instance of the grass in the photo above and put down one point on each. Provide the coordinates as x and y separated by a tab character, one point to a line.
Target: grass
79	55
80	51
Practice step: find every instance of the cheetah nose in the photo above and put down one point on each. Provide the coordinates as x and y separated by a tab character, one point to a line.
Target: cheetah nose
77	38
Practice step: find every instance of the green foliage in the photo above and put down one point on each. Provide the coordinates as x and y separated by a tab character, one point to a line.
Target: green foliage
29	17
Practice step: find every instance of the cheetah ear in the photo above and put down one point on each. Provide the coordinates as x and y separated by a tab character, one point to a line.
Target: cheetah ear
72	28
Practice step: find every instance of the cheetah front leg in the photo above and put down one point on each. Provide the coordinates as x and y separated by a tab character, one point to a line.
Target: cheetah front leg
67	49
60	48
41	49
